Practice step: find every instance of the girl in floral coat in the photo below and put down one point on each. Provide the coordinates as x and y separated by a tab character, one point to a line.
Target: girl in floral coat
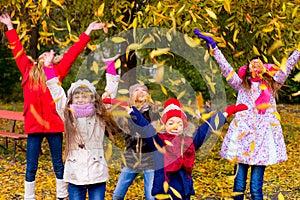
254	138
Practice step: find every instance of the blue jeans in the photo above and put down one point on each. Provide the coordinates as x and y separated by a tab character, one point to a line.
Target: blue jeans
256	182
95	191
34	142
126	178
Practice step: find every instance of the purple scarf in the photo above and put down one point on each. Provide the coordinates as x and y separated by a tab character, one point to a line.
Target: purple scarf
83	110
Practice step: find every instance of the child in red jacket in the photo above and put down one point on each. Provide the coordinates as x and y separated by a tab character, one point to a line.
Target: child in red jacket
41	118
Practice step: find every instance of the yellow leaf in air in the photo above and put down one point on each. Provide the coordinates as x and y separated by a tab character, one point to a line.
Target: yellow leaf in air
158	147
163	89
200	101
166	186
123	91
230	75
159	75
264	106
227	6
238	54
108	151
275	45
189	110
296	93
159	52
206	116
235	34
189	41
235	123
94	67
268	29
217	121
44	4
118	39
95	82
162	196
56	100
297	77
181	94
241	135
255	51
68	26
176	193
57	3
119	113
283	64
252	146
263	86
167	142
118	63
211	13
100	10
277	115
280	196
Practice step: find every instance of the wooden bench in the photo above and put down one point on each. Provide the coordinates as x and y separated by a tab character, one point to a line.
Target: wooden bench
15	116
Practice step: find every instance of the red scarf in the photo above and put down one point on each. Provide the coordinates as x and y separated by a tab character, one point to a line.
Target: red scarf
179	155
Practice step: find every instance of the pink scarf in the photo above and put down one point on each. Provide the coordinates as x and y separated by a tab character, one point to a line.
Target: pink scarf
83	110
174	160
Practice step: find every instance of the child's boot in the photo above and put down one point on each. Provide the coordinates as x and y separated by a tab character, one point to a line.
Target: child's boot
29	190
61	189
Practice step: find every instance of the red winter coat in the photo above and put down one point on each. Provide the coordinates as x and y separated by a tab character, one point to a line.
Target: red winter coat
39	109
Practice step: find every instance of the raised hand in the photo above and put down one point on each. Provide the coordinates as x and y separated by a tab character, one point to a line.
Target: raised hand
210	43
5	19
95	25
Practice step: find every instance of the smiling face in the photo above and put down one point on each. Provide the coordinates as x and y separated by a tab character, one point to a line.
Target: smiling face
174	125
140	94
82	96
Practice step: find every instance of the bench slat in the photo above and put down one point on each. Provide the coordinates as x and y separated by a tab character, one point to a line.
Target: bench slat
11	115
13	135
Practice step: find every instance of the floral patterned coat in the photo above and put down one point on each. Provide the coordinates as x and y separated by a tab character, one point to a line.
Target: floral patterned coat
253	138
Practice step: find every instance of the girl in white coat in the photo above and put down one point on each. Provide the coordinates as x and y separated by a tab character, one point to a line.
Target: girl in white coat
86	119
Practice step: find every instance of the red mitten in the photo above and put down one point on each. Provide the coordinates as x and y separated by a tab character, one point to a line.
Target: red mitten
232	109
114	101
49	71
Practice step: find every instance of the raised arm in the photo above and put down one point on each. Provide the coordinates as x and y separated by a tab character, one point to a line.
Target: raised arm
281	75
63	67
227	70
18	51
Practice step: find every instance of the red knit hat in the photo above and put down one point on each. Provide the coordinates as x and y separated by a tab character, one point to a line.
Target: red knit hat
172	108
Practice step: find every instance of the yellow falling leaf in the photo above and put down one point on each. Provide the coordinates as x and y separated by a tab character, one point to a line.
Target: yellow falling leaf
211	13
227	6
283	64
230	75
44	4
68	26
163	89
120	113
238	54
280	196
189	41
263	86
189	110
181	94
123	91
175	192
252	146
296	93
241	135
117	63
118	39
217	121
158	147
162	196
297	77
206	116
108	151
235	34
100	10
200	101
235	123
268	29
159	52
211	84
167	142
255	51
159	75
275	45
166	186
94	67
57	3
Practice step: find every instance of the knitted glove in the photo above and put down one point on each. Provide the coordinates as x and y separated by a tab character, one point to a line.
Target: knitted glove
209	41
232	109
110	65
114	101
49	71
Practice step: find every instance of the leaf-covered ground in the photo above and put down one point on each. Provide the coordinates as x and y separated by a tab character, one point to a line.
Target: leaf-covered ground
212	175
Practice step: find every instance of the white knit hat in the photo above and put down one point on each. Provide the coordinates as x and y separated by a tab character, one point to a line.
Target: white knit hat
81	83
